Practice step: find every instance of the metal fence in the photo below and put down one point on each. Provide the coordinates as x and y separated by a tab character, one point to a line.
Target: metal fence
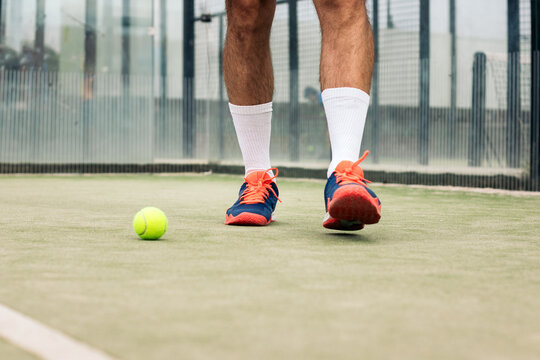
447	108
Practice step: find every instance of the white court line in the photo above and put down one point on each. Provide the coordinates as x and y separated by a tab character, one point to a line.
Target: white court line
42	340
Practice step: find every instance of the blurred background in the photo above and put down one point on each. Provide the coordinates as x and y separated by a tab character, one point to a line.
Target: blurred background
137	86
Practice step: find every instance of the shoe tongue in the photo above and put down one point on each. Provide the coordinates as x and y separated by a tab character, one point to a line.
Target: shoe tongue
346	165
255	176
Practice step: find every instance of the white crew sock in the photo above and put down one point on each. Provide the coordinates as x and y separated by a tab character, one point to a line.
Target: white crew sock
253	128
346	110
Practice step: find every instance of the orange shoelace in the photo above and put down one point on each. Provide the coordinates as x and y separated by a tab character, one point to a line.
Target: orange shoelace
352	174
258	192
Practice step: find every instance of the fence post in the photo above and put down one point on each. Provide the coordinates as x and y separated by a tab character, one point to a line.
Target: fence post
89	71
163	107
478	111
188	85
375	115
125	47
163	49
39	42
2	22
294	134
423	119
535	97
221	110
513	96
453	83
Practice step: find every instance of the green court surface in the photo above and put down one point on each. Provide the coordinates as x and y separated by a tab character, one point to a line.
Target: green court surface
444	275
8	351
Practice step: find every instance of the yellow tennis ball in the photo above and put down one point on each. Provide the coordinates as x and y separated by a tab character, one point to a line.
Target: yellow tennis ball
150	223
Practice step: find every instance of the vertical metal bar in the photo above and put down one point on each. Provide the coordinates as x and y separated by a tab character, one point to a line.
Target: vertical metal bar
389	19
124	108
126	24
478	111
535	97
4	120
163	48
152	104
294	136
188	103
453	82
375	87
221	110
2	22
423	121
163	108
89	71
513	111
32	117
90	37
39	40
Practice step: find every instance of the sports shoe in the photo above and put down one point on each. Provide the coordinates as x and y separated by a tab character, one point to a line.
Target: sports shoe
350	204
256	200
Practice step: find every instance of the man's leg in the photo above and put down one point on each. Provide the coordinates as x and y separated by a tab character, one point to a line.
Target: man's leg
346	67
347	44
247	64
249	78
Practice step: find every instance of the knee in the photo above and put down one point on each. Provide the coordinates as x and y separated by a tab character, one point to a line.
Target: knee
250	16
341	11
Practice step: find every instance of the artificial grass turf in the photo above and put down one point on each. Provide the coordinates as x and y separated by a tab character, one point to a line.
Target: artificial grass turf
445	275
8	351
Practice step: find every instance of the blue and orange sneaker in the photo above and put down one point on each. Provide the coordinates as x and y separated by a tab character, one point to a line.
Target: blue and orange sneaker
350	204
256	200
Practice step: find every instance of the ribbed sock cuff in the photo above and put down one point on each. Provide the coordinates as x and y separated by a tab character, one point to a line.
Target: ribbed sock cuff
342	92
250	109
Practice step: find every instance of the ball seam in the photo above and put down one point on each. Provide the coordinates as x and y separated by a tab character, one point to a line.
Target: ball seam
145	225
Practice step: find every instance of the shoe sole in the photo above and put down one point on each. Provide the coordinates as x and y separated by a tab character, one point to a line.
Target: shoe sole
247	219
345	225
354	203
